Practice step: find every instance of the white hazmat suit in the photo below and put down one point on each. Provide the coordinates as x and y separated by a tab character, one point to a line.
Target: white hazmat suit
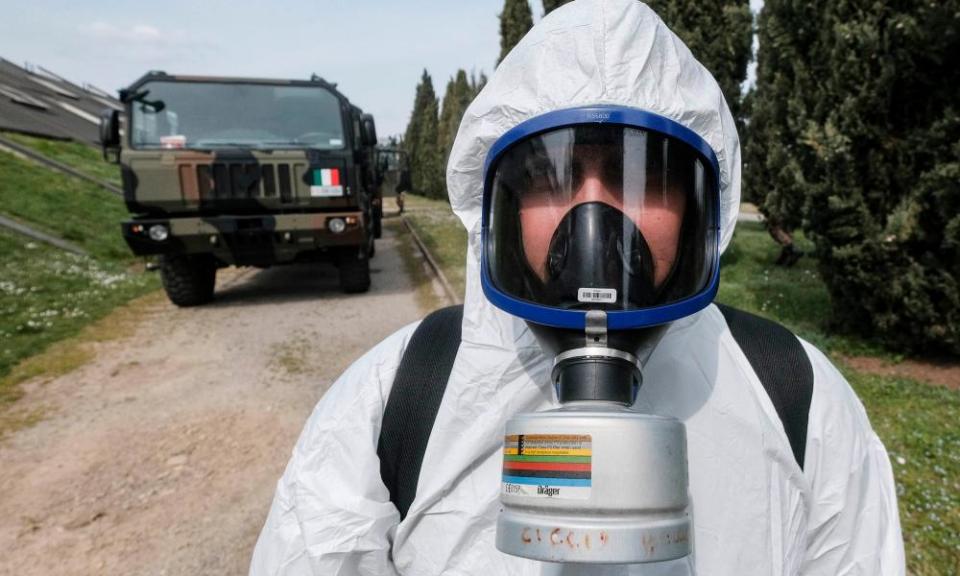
754	511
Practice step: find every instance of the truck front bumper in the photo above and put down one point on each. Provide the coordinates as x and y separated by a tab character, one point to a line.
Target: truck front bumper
246	240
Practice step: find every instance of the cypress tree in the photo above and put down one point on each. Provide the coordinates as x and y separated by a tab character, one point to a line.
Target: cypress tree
477	84
883	147
411	136
432	166
551	5
474	86
515	21
421	141
457	98
790	69
855	134
718	33
447	113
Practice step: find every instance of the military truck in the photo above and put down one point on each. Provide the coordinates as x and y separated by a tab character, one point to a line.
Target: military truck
244	172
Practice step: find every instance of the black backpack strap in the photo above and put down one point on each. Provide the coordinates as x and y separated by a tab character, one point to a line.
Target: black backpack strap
783	367
414	401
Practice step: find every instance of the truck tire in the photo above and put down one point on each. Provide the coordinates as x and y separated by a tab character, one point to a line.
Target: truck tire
354	272
188	280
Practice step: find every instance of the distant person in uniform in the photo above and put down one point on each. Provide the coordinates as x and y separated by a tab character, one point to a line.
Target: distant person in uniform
402	186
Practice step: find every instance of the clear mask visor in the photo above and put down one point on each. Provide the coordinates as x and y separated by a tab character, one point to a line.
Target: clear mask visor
601	216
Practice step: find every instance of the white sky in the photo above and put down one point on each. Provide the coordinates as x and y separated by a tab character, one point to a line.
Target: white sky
374	49
755	6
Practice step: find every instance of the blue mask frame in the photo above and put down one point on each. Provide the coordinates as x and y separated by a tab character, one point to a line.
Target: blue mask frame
576	319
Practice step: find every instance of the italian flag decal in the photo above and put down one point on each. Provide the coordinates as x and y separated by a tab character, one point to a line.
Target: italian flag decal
326	182
326	177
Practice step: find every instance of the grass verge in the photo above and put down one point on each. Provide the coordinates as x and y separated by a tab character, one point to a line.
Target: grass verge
79	156
70	208
443	234
47	295
916	421
416	267
796	297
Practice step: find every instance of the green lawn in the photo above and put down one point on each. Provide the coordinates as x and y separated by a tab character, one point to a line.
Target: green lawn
916	421
79	156
795	297
64	206
918	424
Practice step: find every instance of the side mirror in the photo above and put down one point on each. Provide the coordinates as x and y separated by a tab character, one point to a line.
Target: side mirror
368	130
110	133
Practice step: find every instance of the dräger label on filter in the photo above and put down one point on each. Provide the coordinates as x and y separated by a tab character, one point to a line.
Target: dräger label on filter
608	295
547	465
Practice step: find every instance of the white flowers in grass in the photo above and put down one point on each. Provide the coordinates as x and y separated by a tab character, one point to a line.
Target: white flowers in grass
10	288
56	287
929	492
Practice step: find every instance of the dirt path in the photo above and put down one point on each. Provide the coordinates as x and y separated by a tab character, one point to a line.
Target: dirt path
944	373
161	456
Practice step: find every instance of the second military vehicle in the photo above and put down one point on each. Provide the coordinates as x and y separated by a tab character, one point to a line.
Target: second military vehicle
244	172
393	168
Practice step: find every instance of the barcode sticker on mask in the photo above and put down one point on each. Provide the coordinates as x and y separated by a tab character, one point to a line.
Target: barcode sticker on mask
605	295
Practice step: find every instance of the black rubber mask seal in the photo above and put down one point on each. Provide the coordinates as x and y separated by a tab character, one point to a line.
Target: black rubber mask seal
596	246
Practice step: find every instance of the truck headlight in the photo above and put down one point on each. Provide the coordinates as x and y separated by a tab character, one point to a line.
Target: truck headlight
336	225
158	233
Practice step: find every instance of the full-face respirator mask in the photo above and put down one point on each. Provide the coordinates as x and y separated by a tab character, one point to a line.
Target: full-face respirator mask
600	226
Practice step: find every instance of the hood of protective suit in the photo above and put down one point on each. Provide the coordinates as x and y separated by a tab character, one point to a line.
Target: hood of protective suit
614	52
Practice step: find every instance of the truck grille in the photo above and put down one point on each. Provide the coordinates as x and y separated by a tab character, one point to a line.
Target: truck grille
237	180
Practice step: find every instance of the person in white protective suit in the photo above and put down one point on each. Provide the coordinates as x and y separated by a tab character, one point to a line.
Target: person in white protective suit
755	511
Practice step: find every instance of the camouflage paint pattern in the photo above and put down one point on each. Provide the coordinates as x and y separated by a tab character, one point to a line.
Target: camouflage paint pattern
248	206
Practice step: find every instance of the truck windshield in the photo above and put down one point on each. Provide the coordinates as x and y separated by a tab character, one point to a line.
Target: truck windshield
206	115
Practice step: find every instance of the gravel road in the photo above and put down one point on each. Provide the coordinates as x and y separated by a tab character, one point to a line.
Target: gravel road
161	455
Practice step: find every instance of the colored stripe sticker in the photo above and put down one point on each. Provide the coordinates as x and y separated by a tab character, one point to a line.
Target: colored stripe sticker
548	481
548	465
546	474
546	452
565	466
561	438
515	458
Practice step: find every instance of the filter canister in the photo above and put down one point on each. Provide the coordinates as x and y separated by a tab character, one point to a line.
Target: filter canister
594	484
